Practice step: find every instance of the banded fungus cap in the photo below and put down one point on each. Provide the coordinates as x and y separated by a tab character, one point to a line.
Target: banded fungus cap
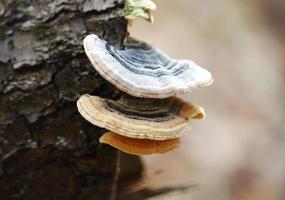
143	71
155	119
139	146
139	8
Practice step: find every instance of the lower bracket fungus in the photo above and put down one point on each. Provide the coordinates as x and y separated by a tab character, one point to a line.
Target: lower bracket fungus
155	119
139	146
143	71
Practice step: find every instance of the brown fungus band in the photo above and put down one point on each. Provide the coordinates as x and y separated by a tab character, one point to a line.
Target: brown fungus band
156	119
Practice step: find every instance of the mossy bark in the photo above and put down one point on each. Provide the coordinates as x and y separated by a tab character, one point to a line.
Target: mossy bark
47	150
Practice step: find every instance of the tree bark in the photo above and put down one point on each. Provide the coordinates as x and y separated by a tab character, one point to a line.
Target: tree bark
47	150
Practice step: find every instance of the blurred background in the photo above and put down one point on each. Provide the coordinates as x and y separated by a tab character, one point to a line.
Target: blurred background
238	152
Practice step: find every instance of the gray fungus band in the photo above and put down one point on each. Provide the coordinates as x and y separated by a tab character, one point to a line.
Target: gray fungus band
143	71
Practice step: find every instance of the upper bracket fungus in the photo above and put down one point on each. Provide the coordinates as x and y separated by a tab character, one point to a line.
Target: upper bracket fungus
139	8
144	71
155	119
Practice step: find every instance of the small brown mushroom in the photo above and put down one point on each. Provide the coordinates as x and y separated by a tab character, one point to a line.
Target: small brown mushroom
139	146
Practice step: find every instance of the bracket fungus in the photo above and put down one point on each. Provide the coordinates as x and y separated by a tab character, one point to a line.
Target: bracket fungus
139	146
155	119
148	118
144	71
139	8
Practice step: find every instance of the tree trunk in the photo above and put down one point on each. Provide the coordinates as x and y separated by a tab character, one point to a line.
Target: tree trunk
47	150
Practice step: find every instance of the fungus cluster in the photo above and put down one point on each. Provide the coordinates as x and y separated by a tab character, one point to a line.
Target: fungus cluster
147	118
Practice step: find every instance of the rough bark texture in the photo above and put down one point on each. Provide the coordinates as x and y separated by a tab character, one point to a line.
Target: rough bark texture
47	150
